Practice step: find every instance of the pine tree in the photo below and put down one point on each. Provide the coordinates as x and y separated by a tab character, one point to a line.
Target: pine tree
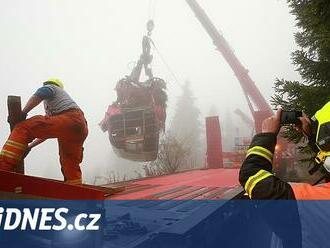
186	126
312	61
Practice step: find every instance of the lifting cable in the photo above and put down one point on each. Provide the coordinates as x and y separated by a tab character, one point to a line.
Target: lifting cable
166	64
152	9
151	17
150	26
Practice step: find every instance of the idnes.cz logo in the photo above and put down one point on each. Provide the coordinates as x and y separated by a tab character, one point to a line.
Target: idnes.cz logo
46	219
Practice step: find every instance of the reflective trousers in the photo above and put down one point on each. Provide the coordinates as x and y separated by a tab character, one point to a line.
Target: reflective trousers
69	128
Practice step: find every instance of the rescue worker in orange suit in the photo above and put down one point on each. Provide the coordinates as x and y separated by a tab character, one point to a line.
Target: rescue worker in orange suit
63	120
256	172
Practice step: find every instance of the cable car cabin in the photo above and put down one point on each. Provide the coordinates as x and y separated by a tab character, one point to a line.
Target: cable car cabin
136	118
134	134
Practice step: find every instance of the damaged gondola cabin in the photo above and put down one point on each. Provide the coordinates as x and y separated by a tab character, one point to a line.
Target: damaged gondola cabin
134	121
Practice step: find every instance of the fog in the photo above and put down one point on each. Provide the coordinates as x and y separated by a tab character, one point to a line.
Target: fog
90	45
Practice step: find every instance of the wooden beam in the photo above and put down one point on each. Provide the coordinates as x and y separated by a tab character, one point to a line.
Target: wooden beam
14	117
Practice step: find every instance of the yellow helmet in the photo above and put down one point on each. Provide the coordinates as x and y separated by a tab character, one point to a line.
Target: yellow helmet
321	121
55	81
323	130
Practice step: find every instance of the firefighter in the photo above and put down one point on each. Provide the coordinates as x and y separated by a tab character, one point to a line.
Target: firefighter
64	121
256	172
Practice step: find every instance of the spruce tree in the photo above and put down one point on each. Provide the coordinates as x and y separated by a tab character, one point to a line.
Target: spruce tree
186	126
311	59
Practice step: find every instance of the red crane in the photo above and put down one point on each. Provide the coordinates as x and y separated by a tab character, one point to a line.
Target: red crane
246	119
259	107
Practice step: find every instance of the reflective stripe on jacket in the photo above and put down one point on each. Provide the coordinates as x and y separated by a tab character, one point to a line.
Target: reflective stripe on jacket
256	172
259	183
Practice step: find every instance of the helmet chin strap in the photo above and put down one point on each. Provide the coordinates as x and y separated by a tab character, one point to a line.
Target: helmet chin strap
322	159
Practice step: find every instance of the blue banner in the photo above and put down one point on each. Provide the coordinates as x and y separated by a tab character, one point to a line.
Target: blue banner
188	224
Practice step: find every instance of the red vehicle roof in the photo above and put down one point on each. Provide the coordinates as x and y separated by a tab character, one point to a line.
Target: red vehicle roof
196	184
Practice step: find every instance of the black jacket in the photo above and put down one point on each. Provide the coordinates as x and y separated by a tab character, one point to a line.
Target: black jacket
256	172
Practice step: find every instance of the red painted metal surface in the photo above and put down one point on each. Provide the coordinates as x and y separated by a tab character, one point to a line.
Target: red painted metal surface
196	184
43	188
214	145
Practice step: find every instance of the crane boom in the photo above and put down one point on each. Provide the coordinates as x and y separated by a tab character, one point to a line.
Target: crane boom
251	92
244	117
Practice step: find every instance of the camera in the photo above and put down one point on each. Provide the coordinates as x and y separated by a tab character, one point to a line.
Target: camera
290	117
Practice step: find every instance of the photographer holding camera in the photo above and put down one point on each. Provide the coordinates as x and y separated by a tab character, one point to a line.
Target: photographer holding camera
256	172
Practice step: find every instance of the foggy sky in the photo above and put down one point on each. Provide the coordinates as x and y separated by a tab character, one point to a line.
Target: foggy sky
90	45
